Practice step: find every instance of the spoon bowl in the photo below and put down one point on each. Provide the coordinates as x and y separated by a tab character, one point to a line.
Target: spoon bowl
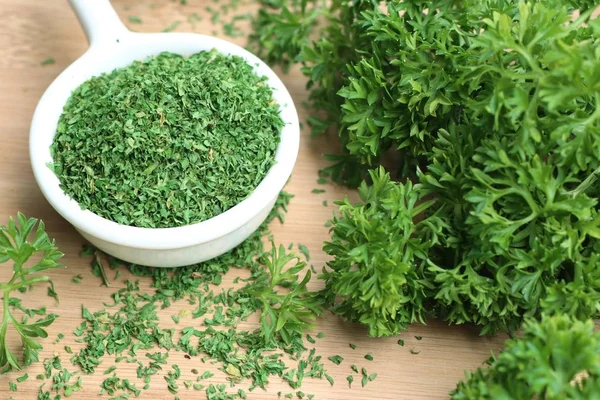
113	46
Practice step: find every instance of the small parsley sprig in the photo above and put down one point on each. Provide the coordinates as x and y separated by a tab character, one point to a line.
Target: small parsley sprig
557	358
287	306
15	247
380	253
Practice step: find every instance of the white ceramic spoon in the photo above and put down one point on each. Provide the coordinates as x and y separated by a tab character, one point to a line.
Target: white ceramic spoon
113	46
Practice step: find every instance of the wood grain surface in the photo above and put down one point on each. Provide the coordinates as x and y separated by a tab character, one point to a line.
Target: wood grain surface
33	30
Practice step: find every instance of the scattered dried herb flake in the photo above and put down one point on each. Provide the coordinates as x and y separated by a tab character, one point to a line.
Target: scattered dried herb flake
304	250
337	360
134	19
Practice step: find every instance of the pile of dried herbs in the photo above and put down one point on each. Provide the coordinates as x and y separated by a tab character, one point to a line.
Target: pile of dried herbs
492	109
129	329
167	142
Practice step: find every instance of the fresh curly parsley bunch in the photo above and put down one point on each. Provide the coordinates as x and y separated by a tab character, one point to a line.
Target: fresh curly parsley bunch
516	174
557	358
385	75
493	108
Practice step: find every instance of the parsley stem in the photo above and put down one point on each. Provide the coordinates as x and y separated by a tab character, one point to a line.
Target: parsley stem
583	186
5	314
17	268
596	114
100	262
527	56
10	286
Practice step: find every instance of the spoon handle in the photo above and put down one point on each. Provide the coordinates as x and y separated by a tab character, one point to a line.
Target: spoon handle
99	20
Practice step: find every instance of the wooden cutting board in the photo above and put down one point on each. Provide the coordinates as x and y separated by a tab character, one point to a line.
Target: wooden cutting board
33	30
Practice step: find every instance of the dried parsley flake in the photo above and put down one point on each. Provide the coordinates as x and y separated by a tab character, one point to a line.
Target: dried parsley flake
304	250
134	19
337	360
